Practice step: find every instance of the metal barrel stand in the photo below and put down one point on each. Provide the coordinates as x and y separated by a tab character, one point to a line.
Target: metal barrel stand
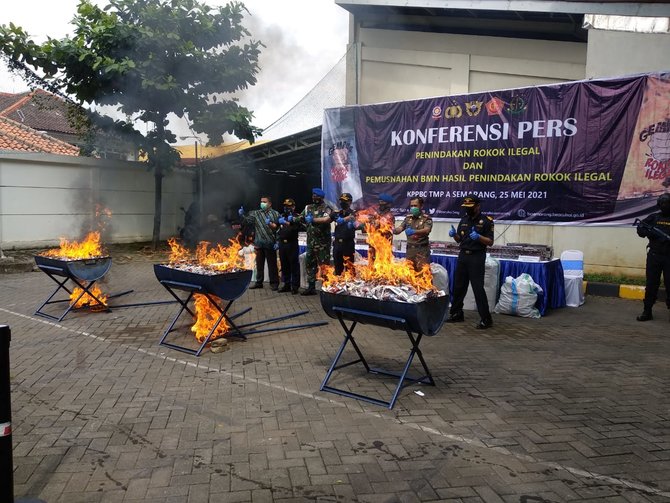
235	330
382	320
52	272
192	289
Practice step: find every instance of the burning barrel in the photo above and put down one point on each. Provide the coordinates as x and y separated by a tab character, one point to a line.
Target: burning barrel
227	285
88	269
420	318
83	272
424	317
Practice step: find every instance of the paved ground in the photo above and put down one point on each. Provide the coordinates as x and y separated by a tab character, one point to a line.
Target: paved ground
571	407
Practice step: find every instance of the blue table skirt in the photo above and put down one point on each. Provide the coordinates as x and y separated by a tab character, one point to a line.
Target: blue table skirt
549	275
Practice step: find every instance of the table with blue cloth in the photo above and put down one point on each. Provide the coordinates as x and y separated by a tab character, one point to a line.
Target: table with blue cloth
549	275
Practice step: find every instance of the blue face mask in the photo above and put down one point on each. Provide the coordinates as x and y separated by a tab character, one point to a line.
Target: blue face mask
264	206
415	211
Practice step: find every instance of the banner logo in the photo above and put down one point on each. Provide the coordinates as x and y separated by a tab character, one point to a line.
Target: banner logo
517	105
495	106
453	112
437	112
472	108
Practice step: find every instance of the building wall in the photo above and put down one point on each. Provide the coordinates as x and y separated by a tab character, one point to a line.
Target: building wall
397	65
46	197
394	65
613	53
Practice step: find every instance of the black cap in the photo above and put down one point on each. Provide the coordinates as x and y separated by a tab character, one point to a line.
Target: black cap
346	197
470	200
289	202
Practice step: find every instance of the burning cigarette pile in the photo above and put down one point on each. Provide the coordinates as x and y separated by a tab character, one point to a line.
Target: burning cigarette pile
400	293
385	278
208	260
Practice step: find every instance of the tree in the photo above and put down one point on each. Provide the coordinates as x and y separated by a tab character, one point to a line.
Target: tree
150	58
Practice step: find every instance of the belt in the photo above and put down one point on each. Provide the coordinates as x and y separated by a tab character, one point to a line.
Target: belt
472	252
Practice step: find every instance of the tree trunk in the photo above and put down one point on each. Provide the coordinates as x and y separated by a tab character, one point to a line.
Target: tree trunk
158	203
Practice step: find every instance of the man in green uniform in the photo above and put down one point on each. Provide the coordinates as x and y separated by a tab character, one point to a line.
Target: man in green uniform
316	218
417	226
265	241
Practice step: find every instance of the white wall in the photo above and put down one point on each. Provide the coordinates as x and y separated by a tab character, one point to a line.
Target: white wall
397	65
614	53
46	197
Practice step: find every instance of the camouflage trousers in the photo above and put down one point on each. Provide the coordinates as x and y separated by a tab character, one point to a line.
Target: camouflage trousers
418	255
316	256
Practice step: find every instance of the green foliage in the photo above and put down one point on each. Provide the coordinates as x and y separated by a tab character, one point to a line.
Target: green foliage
149	58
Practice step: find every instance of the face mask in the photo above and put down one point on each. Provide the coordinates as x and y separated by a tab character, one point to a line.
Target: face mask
316	200
344	205
264	206
383	206
288	210
470	212
415	211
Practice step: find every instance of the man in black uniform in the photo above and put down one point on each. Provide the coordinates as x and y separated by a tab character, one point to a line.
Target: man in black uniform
474	234
288	247
344	243
656	227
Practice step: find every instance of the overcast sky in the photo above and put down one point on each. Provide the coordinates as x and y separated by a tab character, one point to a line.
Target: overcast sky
304	39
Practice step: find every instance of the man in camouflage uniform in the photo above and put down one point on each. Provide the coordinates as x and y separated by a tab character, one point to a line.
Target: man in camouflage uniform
316	218
417	226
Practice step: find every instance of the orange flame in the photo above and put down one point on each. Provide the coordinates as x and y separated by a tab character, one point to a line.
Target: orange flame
177	252
90	247
385	269
206	316
87	299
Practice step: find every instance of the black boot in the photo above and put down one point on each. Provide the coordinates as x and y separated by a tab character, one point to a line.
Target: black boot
285	288
310	290
645	316
255	286
484	324
456	317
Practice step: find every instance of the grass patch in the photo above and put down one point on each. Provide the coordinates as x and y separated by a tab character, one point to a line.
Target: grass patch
617	279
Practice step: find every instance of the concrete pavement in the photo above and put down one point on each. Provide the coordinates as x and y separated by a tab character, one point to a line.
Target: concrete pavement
574	406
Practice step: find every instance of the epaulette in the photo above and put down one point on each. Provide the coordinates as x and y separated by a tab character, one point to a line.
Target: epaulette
490	218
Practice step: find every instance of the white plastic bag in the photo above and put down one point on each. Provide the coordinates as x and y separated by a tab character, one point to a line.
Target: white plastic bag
518	297
491	286
440	277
